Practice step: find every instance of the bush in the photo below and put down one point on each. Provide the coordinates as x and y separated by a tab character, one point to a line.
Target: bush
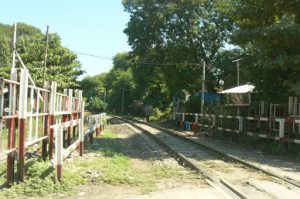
96	104
158	115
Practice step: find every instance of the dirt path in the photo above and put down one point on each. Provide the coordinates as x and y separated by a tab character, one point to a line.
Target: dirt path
146	155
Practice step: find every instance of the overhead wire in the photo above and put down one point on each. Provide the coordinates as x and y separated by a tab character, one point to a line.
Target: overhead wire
138	62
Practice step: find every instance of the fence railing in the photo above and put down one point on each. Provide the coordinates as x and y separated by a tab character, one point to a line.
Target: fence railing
275	128
30	115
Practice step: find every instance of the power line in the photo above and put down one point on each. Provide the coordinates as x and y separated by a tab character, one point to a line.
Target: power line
139	62
95	56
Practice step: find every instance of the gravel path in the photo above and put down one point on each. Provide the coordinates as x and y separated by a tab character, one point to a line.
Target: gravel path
280	165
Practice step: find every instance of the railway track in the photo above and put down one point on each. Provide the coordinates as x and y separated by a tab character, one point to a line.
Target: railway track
231	178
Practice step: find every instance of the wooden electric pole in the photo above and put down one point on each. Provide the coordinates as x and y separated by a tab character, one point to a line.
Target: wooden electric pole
46	54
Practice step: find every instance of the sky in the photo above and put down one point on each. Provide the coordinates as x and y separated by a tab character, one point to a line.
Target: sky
88	26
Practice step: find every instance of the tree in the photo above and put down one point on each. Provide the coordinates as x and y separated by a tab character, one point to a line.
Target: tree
94	92
96	104
120	90
63	66
268	32
185	31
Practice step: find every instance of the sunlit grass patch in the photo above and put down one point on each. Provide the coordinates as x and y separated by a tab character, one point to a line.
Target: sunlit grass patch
40	181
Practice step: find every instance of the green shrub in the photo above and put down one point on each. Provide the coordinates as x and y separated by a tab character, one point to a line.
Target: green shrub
96	104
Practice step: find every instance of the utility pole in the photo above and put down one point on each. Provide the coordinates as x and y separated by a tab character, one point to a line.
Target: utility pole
14	47
46	54
238	70
238	78
202	94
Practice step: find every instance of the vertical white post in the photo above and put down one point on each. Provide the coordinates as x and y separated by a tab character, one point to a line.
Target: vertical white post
31	112
53	98
80	100
281	133
52	118
196	118
22	123
281	127
12	92
81	133
183	117
37	113
70	101
59	151
240	124
23	94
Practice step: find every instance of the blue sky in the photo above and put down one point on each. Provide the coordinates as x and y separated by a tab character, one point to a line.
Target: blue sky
89	26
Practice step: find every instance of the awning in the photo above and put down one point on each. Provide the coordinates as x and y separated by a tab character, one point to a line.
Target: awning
247	88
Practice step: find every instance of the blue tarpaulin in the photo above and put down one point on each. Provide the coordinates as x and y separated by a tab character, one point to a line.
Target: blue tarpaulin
211	97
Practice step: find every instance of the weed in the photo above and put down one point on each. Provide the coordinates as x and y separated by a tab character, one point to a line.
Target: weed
40	181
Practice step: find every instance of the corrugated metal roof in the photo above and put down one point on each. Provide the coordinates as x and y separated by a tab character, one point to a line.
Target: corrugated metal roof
247	88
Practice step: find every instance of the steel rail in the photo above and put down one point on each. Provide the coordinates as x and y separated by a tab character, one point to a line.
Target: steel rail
226	155
184	161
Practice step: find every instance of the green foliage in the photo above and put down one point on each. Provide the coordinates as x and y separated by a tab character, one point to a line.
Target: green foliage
62	64
96	105
156	116
178	31
268	32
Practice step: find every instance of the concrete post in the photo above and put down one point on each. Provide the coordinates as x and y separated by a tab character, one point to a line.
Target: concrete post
281	134
81	133
12	125
22	123
52	118
59	151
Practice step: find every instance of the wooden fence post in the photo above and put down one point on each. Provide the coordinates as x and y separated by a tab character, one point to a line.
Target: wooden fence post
81	133
22	123
52	118
12	130
59	151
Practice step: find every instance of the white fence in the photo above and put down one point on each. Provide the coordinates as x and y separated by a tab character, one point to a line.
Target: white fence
275	128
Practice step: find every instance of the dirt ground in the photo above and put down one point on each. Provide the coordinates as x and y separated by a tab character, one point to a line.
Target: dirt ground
144	153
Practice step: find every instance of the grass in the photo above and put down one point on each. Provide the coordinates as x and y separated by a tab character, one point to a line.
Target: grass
102	163
40	181
111	166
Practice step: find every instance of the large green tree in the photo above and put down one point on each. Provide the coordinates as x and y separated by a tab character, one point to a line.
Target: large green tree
62	64
184	31
268	32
